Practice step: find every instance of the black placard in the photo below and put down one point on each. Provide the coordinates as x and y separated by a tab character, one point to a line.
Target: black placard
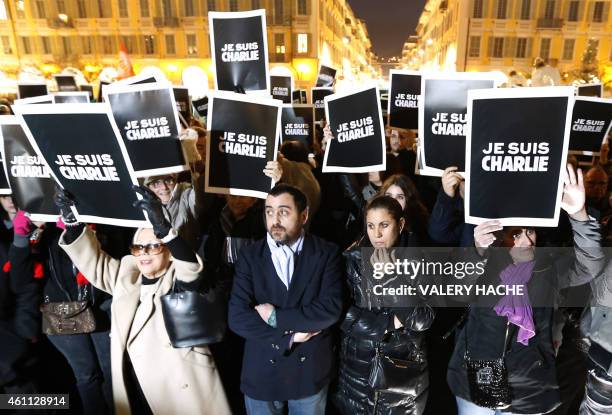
32	186
238	43
243	138
281	88
95	172
5	187
297	124
31	89
201	106
404	96
66	83
591	119
355	120
326	77
590	90
147	119
89	90
317	96
515	155
183	103
443	119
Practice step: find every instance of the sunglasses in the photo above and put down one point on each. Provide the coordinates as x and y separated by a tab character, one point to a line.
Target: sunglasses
149	249
168	181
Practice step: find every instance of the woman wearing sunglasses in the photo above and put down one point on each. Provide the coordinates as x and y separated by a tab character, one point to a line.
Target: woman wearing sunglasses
149	376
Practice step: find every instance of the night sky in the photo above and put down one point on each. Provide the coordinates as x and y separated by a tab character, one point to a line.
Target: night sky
389	22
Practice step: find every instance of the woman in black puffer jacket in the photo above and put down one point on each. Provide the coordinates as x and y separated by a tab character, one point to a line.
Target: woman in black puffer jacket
368	326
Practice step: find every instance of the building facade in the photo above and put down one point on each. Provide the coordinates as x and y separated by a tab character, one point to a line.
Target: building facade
484	35
173	34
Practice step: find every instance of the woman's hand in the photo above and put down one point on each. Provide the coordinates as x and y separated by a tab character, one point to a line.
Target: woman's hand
151	204
574	195
64	201
382	256
483	234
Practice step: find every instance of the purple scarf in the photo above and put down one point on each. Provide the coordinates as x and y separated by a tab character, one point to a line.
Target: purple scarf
517	307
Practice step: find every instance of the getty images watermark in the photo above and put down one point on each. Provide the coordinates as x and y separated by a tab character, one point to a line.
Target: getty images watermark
402	277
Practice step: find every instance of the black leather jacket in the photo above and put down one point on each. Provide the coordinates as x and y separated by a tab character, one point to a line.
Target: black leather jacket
367	326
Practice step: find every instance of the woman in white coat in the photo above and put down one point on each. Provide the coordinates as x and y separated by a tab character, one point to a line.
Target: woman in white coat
149	376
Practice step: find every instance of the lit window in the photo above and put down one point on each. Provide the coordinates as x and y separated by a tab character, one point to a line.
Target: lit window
6	45
302	43
474	51
192	45
3	15
170	49
568	49
279	40
521	48
545	48
149	44
46	45
598	9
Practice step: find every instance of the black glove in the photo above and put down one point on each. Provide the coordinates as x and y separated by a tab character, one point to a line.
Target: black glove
151	204
63	200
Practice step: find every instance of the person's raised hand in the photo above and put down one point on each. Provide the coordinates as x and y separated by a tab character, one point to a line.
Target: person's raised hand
483	234
151	204
274	169
451	181
64	201
605	151
574	195
22	225
327	136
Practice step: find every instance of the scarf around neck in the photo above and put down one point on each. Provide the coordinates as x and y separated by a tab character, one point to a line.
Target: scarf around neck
517	308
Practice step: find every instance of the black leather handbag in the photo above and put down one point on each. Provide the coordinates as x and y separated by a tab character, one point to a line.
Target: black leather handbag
194	318
393	374
488	379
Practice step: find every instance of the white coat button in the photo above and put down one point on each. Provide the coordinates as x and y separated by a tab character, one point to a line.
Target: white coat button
185	386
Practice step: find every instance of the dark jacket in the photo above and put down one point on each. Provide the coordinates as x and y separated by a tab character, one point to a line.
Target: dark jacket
60	276
226	238
531	369
19	316
446	223
367	326
272	370
339	218
19	293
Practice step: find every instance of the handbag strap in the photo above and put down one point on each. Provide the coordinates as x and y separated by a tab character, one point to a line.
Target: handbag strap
55	276
505	339
457	324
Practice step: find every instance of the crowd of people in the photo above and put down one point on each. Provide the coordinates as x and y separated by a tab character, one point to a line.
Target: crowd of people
305	333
